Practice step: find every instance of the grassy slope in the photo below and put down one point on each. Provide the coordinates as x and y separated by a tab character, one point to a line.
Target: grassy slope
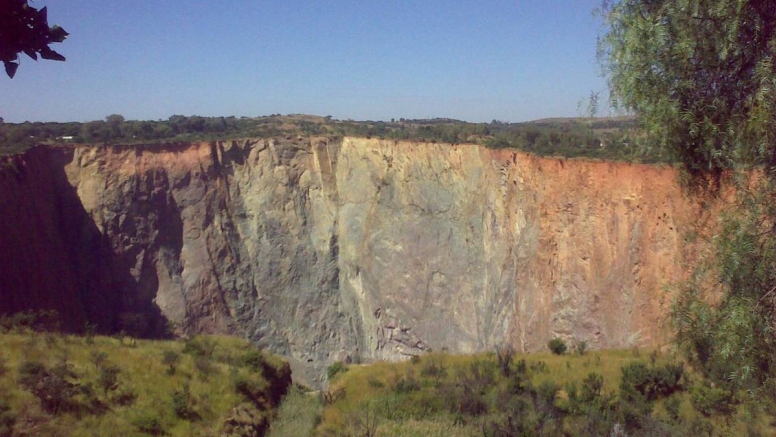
370	388
142	372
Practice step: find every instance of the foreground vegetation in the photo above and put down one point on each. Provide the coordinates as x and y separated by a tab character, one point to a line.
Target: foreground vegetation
593	393
64	385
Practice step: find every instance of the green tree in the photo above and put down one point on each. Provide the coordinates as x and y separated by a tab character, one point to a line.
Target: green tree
24	29
700	76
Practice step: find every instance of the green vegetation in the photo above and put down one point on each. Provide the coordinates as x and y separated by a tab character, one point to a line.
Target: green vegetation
334	369
508	394
25	29
62	385
557	346
298	415
701	77
593	138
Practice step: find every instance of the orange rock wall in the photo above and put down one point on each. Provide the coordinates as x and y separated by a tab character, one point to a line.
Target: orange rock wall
352	249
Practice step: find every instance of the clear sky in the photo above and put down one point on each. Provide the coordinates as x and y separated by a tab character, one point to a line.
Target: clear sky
477	61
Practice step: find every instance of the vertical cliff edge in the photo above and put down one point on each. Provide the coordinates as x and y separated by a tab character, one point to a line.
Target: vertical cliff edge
353	249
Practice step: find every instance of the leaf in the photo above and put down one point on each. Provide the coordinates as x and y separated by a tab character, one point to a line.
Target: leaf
49	54
10	68
31	53
57	34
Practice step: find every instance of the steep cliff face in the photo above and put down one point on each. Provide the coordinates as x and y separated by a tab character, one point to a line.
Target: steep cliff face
354	249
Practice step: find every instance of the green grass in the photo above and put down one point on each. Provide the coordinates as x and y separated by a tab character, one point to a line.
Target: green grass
146	384
377	398
298	415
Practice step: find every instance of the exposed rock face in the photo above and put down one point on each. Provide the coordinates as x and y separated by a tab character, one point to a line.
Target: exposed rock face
354	249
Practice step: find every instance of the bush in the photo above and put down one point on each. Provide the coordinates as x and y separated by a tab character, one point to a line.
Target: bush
109	378
582	347
254	360
713	401
557	346
39	321
468	401
7	419
124	397
98	358
505	357
640	381
405	384
52	387
335	369
181	404
200	346
672	406
149	424
433	368
252	390
171	359
203	366
591	388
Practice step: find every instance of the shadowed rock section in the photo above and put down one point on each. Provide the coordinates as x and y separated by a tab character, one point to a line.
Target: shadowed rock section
345	250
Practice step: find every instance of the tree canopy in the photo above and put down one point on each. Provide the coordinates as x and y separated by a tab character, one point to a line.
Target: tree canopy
700	76
24	29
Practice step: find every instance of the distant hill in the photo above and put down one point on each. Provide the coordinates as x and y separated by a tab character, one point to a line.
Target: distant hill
601	138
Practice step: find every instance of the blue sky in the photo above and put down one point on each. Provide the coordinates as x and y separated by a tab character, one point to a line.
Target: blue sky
150	59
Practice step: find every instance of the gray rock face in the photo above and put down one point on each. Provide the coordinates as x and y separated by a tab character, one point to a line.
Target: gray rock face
355	249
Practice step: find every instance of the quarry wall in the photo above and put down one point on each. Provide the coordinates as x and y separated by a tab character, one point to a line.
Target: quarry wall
350	249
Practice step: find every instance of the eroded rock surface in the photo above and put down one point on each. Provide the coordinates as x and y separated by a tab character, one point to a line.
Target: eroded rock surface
346	250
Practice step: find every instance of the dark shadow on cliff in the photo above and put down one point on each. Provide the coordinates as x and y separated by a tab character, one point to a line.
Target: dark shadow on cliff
54	256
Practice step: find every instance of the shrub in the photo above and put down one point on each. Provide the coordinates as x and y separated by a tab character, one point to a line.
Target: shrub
713	401
330	397
254	360
415	359
336	368
640	381
51	387
253	391
505	357
405	384
89	329
109	378
433	368
39	321
98	358
672	406
200	346
7	419
467	401
518	383
181	404
203	366
124	397
171	359
591	388
557	346
149	424
582	347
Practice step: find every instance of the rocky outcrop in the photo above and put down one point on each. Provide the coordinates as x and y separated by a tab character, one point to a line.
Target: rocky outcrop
353	249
